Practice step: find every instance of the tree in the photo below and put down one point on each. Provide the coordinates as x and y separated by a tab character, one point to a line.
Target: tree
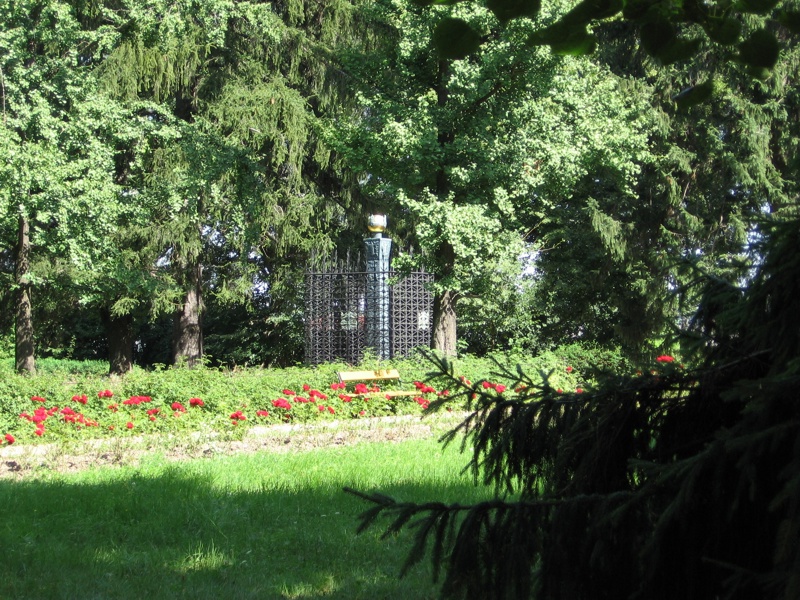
671	484
56	185
241	87
468	155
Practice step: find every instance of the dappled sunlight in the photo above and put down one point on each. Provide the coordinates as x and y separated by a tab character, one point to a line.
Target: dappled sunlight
256	526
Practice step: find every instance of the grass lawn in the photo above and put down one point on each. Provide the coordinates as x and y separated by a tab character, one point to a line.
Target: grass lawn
258	525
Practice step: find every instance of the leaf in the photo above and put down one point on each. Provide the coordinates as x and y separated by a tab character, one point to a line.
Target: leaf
635	10
579	43
756	6
694	95
660	40
590	10
505	10
760	50
656	36
435	2
455	39
723	31
678	51
791	20
565	38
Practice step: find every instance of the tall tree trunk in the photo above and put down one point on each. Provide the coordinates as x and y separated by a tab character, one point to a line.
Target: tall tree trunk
187	334
119	331
444	323
24	346
443	335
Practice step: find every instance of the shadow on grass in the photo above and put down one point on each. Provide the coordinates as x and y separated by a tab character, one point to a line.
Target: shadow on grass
180	534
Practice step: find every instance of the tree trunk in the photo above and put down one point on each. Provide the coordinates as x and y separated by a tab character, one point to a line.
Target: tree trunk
119	331
24	346
444	323
443	335
187	335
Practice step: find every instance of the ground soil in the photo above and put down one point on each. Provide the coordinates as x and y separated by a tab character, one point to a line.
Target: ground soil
21	461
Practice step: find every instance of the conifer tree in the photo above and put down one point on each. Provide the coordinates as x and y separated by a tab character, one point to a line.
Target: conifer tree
236	91
673	483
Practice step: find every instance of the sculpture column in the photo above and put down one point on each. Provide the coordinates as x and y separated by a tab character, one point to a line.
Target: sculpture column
378	250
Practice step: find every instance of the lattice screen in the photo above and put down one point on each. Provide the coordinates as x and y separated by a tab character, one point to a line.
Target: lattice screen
336	309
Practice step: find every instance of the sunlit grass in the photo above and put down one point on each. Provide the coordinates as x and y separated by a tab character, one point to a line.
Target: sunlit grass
265	525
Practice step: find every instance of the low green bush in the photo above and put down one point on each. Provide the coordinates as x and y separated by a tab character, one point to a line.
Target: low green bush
74	400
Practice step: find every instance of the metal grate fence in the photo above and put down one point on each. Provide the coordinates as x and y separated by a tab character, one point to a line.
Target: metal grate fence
336	314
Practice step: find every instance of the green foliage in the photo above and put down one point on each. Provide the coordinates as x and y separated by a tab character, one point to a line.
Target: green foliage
470	157
636	478
658	24
224	392
58	134
146	137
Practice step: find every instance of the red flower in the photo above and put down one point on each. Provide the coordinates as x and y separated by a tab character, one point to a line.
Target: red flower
578	390
424	388
500	388
361	388
178	407
39	416
82	398
288	392
486	385
306	387
196	402
129	425
136	400
10	438
262	413
330	410
39	431
113	407
569	369
38	399
665	358
362	413
105	394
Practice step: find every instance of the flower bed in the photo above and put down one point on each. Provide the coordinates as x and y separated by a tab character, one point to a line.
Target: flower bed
59	405
103	413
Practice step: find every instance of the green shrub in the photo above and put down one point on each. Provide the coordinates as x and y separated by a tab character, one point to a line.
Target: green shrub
75	399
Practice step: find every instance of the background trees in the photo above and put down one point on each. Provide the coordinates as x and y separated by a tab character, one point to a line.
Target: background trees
58	196
212	150
471	158
674	482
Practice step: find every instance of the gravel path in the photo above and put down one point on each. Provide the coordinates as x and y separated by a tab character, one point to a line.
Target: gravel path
20	461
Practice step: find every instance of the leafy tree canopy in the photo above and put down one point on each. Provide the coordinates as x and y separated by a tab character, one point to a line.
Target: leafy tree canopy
469	157
658	23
